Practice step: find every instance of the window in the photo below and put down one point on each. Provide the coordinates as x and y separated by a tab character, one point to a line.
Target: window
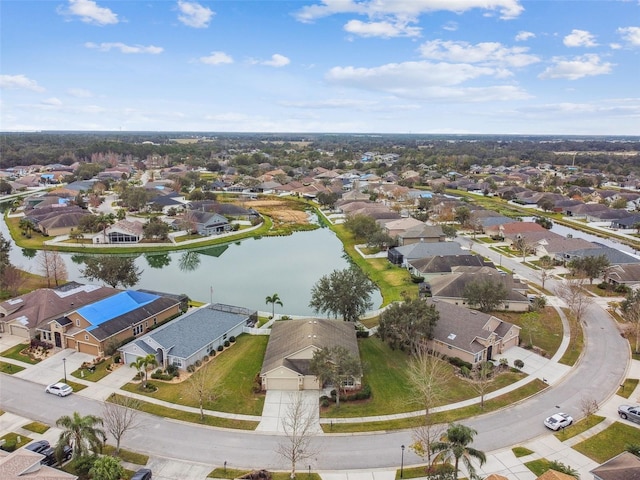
138	329
77	322
86	337
224	337
155	320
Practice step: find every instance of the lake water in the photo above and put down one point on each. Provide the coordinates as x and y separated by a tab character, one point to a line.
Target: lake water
241	273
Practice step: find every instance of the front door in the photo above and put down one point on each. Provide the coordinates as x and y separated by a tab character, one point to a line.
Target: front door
58	339
489	352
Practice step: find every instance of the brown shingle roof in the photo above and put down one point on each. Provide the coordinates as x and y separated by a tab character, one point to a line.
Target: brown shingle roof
625	466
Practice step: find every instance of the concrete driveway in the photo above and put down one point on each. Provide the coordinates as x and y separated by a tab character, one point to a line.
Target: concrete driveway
52	369
277	404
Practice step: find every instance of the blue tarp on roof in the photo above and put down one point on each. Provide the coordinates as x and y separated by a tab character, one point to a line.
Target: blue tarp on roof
114	306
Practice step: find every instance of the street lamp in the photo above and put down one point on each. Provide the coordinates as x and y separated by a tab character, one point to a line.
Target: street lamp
402	462
64	366
309	472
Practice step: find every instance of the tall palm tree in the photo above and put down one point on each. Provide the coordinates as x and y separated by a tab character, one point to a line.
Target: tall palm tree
454	444
81	433
142	364
273	299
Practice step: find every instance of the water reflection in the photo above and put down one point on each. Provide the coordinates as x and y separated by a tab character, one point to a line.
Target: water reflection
158	260
189	261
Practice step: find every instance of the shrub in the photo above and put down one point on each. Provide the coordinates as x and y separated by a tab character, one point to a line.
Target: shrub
518	364
191	369
232	339
212	353
621	289
465	372
227	343
116	359
172	370
9	445
198	363
205	358
158	371
324	402
458	362
603	286
220	348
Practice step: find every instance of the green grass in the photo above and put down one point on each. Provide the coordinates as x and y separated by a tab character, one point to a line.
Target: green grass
234	473
126	455
13	437
181	415
76	386
538	467
9	368
628	386
579	427
36	427
576	343
548	334
521	451
15	353
447	416
99	373
237	368
609	443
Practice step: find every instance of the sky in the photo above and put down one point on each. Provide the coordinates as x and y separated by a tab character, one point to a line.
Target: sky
542	67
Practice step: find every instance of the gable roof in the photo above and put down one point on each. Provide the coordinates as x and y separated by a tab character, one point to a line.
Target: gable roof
624	466
444	263
425	249
453	284
291	336
555	475
25	464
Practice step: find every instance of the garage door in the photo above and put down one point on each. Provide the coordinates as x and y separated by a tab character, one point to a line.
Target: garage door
282	383
19	331
87	348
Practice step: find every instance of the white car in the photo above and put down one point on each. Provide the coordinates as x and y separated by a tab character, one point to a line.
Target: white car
558	421
60	389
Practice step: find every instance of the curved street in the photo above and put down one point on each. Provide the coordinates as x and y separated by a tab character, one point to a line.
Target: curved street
596	376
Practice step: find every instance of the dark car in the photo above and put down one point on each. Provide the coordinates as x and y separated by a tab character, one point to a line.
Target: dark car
50	455
142	474
39	446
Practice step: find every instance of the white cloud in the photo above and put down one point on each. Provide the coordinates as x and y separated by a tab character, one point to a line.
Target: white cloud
523	36
331	104
90	12
576	68
381	29
487	53
192	14
52	102
277	60
79	92
404	9
631	35
216	58
580	38
124	48
19	81
424	80
450	26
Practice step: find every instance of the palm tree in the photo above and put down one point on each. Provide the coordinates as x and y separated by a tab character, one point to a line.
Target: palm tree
454	444
273	299
81	433
142	364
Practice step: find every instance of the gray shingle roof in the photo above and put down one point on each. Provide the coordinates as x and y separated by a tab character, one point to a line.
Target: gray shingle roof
425	249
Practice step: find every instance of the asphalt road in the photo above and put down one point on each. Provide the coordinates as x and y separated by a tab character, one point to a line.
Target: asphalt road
596	376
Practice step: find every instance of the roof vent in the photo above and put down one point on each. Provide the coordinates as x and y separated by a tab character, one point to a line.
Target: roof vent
473	312
452	336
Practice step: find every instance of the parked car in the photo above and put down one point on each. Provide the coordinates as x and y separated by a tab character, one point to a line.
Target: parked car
60	389
142	474
631	412
50	455
39	446
558	421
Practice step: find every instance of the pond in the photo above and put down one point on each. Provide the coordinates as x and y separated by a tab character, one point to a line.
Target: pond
242	273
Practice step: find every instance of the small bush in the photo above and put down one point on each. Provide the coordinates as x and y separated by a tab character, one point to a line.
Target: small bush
191	369
220	348
232	339
9	445
172	370
116	359
458	362
198	363
205	358
227	343
212	353
518	364
324	402
158	371
621	289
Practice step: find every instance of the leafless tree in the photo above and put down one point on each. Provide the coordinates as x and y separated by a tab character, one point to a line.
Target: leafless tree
204	386
575	296
481	379
120	415
52	267
299	429
12	280
588	406
428	375
545	264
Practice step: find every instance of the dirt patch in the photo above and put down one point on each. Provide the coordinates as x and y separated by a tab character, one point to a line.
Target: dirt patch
280	210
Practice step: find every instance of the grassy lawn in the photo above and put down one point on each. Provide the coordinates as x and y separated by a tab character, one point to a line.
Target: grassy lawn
576	343
36	427
577	428
126	455
99	373
237	367
448	416
234	473
371	322
521	451
548	333
9	368
609	443
389	377
538	467
15	353
602	292
628	387
12	437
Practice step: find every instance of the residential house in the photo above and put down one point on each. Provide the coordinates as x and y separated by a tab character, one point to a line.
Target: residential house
628	275
627	223
396	228
613	255
450	287
513	228
471	335
624	466
443	264
23	316
584	209
121	232
404	254
23	464
291	346
423	233
97	327
209	223
188	338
